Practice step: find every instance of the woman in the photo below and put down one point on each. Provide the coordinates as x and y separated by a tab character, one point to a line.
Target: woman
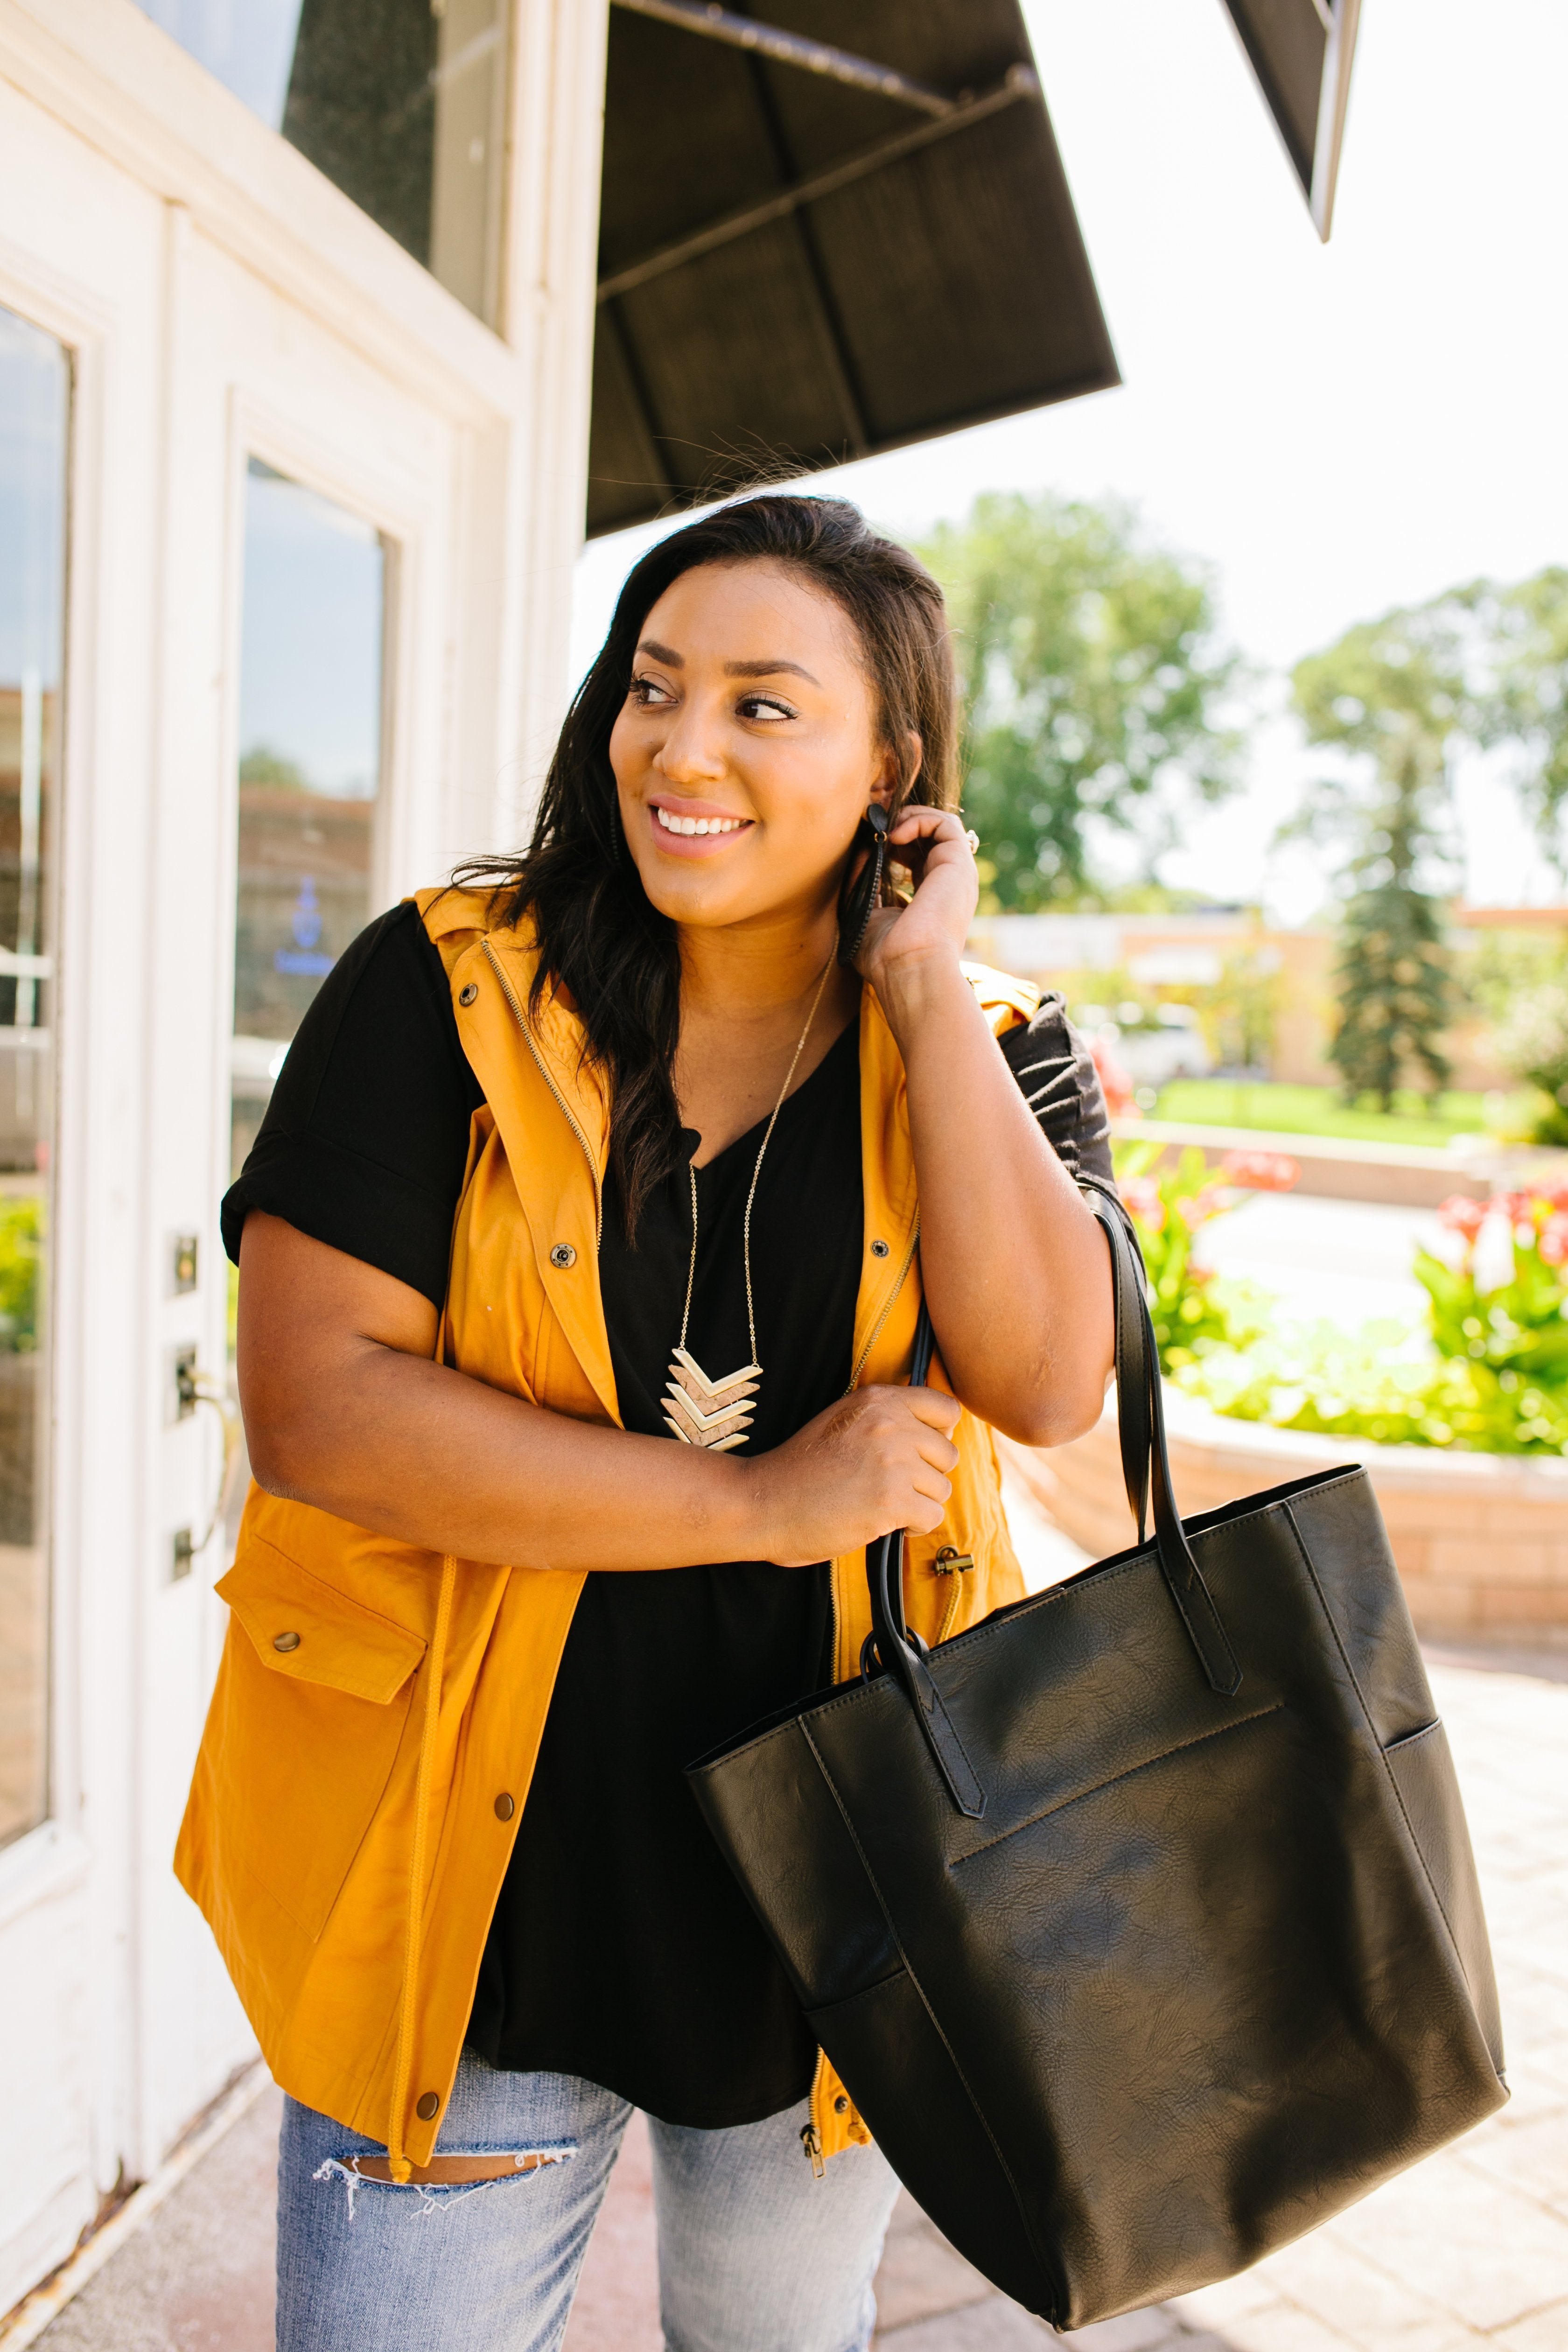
578	1284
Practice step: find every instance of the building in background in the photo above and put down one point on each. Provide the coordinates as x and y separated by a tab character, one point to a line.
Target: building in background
310	314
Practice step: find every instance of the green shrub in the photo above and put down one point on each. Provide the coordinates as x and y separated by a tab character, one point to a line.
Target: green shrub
1190	1306
1359	1387
20	1243
1489	1373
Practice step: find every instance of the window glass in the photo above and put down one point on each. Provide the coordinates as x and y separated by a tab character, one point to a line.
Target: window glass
35	412
400	103
310	766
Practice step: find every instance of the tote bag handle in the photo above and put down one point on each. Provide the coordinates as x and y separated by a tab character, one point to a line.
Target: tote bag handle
1146	1471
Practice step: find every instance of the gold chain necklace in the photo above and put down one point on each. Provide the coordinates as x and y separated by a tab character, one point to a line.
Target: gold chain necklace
718	1414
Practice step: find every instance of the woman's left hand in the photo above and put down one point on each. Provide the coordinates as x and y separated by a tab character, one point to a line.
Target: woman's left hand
933	844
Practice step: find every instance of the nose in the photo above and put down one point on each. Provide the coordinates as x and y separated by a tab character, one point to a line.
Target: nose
691	753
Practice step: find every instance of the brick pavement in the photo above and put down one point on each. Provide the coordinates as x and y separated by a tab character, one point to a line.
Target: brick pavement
1469	2251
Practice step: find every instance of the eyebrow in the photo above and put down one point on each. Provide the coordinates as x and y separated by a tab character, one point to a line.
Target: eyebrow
768	669
771	668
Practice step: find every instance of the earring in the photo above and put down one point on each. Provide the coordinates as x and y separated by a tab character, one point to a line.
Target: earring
857	900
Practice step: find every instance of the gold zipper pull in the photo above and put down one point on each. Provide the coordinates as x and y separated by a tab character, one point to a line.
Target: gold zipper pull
949	1562
811	2140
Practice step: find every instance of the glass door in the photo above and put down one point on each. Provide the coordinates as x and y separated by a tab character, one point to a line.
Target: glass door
311	763
34	411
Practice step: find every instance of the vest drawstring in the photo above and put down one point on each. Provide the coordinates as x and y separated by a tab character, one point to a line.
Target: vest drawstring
399	2164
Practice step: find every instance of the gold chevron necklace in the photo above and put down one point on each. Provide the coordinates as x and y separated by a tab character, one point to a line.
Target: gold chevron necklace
718	1414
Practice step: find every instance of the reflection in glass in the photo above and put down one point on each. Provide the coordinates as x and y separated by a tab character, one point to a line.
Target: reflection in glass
401	102
35	412
310	766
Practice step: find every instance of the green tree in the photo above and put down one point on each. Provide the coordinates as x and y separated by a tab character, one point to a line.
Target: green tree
1520	692
1094	687
262	765
1392	697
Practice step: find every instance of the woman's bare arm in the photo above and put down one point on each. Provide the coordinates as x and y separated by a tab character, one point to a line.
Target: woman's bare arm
344	1408
1016	1268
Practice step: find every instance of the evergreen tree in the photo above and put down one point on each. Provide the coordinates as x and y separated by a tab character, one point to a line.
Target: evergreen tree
1391	695
1396	993
1484	667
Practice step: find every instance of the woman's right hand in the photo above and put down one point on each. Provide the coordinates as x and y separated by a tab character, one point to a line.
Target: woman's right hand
344	1409
879	1459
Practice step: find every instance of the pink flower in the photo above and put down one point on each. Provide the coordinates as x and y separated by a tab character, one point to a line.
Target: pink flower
1554	1242
1118	1086
1259	1171
1141	1195
1463	1216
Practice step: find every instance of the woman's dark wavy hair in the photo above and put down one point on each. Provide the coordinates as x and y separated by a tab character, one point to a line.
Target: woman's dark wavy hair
598	933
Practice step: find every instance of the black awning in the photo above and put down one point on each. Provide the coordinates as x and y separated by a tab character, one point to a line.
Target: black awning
1302	51
805	260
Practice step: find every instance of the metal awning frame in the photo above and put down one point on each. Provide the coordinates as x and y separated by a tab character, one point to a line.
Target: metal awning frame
1342	18
713	23
1020	83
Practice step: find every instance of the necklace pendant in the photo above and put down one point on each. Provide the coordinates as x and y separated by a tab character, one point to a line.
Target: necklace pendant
716	1414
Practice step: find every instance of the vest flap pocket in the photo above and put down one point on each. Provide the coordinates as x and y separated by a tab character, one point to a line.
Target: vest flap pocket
310	1631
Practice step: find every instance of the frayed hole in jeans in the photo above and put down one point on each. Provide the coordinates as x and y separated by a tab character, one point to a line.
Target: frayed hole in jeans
448	2176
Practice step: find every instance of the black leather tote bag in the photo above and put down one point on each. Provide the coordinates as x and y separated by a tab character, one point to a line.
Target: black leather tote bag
1140	1919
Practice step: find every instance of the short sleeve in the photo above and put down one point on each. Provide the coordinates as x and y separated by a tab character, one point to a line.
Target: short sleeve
366	1137
1061	1086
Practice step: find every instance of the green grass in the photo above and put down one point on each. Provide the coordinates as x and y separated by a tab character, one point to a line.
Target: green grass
1319	1110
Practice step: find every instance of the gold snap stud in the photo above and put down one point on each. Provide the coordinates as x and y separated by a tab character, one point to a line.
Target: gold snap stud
841	2105
429	2104
879	1249
563	1256
284	1640
467	995
506	1805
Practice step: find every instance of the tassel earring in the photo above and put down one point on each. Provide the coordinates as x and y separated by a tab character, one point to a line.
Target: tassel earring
857	900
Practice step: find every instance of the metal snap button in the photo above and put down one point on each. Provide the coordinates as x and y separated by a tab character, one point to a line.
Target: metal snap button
430	2104
467	995
284	1640
841	2105
879	1249
506	1805
563	1254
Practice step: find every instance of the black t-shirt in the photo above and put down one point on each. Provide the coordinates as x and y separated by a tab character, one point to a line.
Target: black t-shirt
621	1950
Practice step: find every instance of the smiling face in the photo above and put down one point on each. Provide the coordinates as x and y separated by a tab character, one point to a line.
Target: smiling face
747	747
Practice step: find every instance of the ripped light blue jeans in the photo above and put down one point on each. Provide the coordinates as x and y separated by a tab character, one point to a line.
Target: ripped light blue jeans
755	2253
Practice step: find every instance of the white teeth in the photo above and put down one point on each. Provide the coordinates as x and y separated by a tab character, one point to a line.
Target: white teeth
697	824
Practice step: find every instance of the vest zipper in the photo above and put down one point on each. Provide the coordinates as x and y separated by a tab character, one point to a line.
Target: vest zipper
544	1072
854	1382
811	2140
886	1310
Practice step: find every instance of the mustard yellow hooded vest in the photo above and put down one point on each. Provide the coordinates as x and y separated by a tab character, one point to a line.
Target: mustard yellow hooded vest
344	1835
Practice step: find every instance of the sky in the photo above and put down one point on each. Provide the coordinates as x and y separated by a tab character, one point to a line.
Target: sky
310	668
1335	430
34	400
